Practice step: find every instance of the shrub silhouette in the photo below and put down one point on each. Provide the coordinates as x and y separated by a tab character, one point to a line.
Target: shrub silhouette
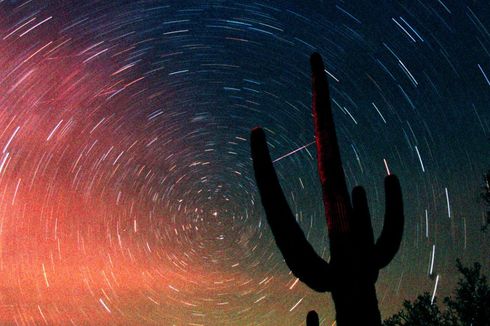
472	297
355	258
420	312
470	305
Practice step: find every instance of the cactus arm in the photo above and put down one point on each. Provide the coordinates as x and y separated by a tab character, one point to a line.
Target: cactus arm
355	257
335	194
389	241
299	255
312	318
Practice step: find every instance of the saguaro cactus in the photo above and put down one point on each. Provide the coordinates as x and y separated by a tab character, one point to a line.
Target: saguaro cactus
355	258
312	319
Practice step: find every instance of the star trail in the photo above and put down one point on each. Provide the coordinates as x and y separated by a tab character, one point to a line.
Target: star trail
127	194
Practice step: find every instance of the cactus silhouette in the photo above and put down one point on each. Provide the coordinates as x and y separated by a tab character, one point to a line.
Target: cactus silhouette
355	258
312	319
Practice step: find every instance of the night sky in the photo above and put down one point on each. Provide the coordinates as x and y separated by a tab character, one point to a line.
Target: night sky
127	193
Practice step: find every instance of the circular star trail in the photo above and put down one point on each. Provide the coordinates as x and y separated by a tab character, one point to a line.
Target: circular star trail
127	193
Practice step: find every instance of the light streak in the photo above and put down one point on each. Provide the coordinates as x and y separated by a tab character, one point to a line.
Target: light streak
335	78
3	161
294	283
403	29
292	152
42	315
104	305
297	303
15	30
378	112
53	131
95	55
426	224
435	289
484	75
42	48
420	158
178	72
45	276
408	73
432	259
445	7
176	32
413	29
448	206
16	190
30	29
357	158
386	167
260	299
350	115
10	140
399	283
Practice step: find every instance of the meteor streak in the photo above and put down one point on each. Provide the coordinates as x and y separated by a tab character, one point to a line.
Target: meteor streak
291	153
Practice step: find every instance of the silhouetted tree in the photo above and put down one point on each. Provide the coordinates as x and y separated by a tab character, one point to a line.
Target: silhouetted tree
420	312
470	305
355	257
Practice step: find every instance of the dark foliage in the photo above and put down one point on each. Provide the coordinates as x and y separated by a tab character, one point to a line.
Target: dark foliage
469	306
471	303
417	313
